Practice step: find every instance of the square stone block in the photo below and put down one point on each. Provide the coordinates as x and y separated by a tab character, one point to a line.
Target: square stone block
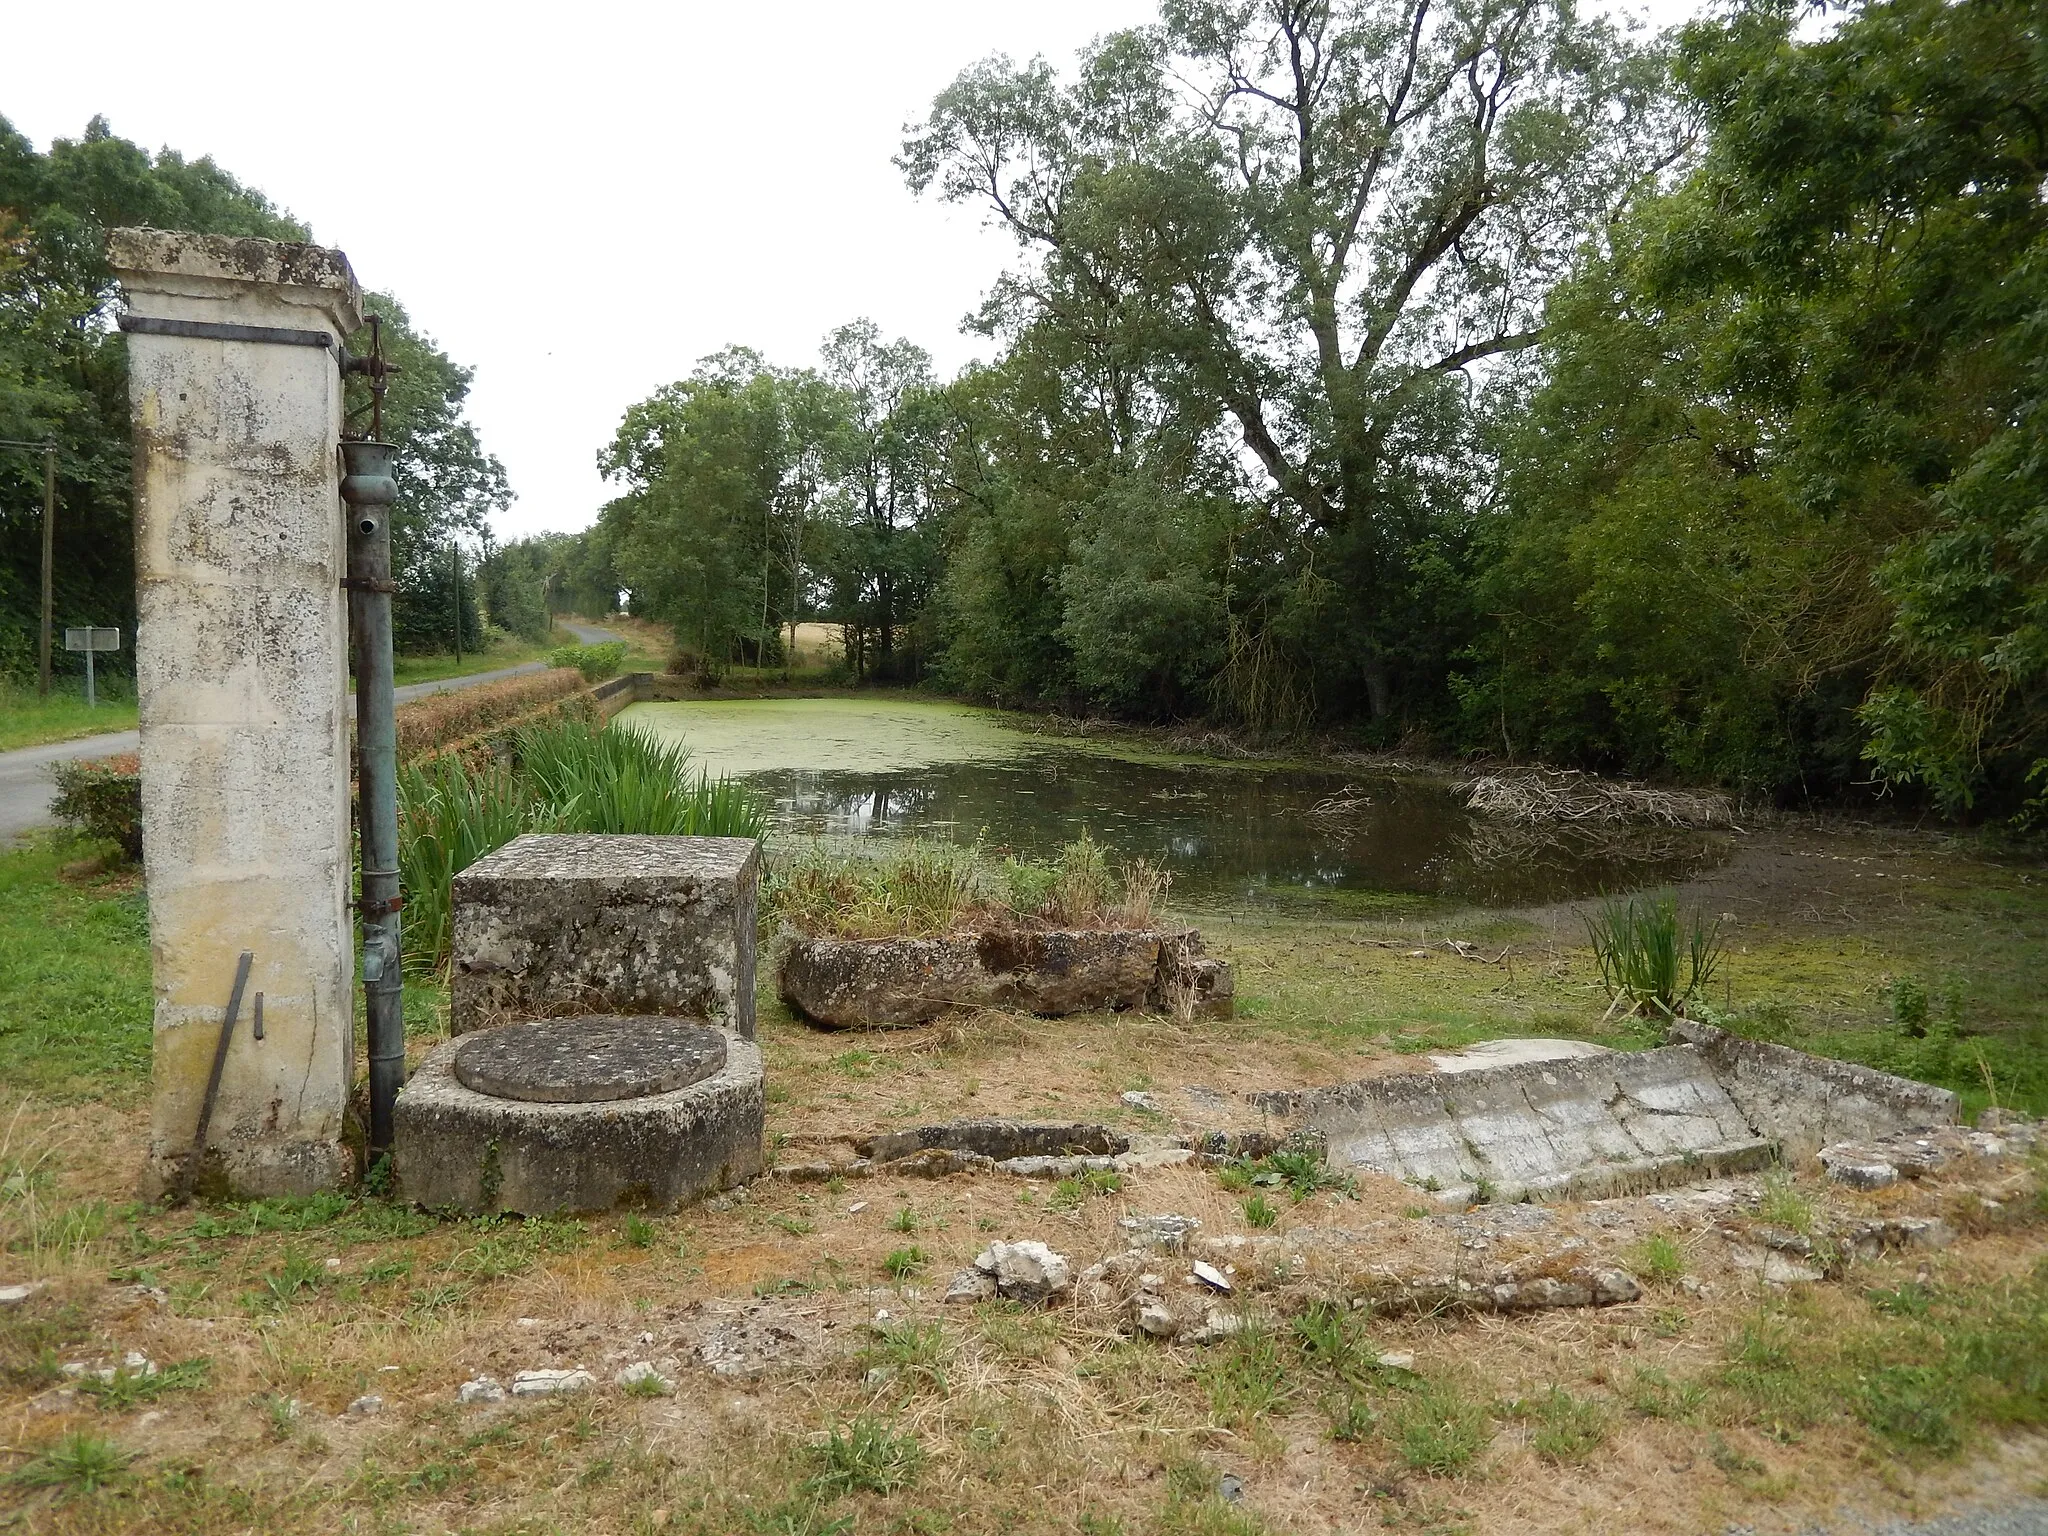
556	923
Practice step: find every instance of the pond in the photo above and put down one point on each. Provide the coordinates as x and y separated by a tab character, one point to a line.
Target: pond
892	768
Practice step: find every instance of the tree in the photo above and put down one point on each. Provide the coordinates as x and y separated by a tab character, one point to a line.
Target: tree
879	455
1774	513
1312	213
448	485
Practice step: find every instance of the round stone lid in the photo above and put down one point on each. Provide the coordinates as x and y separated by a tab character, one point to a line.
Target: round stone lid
589	1060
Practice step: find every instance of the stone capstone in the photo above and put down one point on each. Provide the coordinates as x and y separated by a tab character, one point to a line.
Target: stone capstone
569	923
589	1060
474	1152
551	1383
894	983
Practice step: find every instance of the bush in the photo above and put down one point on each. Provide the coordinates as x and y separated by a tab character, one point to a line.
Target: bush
440	718
595	662
103	798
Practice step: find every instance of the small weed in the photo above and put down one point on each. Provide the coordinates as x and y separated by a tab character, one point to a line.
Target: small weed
1658	1259
81	1462
127	1388
298	1276
1654	1395
859	1064
1912	1299
866	1457
639	1232
1911	1405
1331	1335
1103	1181
1352	1420
283	1413
795	1226
1247	1378
1439	1430
904	1220
1567	1428
1260	1212
1669	1322
1784	1206
914	1350
1067	1195
902	1263
1730	1460
648	1384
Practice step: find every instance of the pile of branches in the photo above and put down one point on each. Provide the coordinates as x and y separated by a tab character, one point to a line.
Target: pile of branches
1545	797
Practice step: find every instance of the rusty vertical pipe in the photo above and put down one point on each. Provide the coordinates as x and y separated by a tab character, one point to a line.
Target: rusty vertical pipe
369	488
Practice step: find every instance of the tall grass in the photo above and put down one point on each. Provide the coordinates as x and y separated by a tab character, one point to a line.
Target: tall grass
450	814
923	889
1652	958
564	776
598	780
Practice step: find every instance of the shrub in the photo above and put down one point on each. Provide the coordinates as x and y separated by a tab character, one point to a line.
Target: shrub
102	797
440	718
1650	957
595	662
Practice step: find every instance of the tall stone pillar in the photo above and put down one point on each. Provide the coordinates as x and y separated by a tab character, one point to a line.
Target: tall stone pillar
241	674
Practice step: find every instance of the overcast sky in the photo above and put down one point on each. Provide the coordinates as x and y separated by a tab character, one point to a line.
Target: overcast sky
577	202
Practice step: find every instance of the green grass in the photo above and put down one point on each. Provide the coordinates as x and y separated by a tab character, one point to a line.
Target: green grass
866	1456
29	721
436	666
75	996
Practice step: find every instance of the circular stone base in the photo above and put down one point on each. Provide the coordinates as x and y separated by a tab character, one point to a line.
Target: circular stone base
588	1060
479	1154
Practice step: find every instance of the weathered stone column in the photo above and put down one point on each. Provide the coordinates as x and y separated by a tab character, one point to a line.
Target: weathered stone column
241	671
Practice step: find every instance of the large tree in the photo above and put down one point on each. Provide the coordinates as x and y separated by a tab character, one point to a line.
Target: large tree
1318	215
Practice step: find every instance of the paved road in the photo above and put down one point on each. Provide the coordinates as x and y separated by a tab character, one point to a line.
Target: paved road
589	634
26	790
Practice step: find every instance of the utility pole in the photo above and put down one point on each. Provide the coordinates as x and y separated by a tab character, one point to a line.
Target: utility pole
455	591
49	452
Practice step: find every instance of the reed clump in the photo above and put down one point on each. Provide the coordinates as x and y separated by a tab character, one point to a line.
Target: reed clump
1652	957
921	889
561	776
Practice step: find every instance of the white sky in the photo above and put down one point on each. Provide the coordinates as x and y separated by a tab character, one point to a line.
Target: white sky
577	201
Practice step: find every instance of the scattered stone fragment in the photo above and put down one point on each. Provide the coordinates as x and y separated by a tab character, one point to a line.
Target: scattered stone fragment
56	1400
1231	1486
15	1295
551	1383
1166	1230
970	1285
856	1208
644	1376
1869	1239
366	1405
1212	1277
1143	1101
1396	1360
1216	1326
1858	1168
1026	1271
1152	1316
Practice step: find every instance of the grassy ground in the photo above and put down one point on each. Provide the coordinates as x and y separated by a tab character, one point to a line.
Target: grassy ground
442	664
1922	1379
29	721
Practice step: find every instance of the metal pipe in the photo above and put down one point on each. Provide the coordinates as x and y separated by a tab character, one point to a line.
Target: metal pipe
369	488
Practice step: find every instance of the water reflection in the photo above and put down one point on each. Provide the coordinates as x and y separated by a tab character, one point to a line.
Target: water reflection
1237	830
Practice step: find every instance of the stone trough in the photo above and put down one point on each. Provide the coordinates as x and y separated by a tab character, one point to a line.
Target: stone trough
556	1116
896	983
